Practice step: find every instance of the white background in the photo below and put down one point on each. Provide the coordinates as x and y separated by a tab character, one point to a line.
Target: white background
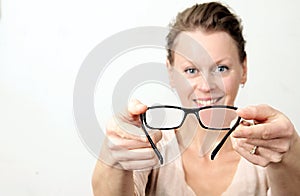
42	46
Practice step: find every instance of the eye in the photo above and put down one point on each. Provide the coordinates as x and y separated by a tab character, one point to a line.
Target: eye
191	71
221	68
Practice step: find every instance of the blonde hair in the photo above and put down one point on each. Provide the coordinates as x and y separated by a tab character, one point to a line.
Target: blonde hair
207	17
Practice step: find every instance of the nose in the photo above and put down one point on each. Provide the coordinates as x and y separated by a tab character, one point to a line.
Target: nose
205	83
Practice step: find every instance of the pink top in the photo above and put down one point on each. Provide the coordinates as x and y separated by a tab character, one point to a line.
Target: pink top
169	179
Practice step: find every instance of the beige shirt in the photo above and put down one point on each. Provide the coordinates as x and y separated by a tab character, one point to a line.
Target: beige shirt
169	179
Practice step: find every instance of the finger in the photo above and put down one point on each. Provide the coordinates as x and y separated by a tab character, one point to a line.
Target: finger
130	119
134	154
135	107
246	123
244	150
124	130
260	131
139	164
281	145
131	115
122	139
262	156
117	143
258	113
156	135
242	123
269	155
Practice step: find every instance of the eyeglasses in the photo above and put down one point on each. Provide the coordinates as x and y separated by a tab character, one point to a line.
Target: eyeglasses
166	117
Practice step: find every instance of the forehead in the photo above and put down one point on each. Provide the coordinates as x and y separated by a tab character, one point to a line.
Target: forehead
198	46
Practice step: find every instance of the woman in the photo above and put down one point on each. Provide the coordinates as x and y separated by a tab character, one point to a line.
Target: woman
260	159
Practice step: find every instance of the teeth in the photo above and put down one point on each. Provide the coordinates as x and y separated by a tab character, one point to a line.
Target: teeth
208	102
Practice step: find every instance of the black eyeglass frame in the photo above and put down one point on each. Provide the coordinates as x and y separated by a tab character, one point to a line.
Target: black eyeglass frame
186	112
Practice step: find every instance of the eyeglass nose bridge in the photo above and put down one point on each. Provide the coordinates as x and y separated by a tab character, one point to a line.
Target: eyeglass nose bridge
194	111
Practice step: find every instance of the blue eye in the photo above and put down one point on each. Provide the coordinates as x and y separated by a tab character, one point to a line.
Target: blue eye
221	68
191	71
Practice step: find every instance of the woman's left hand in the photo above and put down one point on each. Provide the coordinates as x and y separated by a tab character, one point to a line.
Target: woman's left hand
271	132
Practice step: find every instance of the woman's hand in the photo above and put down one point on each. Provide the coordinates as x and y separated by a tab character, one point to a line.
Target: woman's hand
126	146
271	131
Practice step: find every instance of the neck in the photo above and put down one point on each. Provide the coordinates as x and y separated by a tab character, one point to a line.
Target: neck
202	141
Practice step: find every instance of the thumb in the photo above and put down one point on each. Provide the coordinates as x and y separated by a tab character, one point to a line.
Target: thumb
135	107
258	113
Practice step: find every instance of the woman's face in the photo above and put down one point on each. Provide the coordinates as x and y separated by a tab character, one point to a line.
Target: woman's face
206	69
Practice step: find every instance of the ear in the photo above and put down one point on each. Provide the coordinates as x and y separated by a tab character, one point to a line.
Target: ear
244	71
170	73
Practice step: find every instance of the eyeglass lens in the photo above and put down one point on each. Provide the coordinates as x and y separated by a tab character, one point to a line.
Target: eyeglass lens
210	118
169	117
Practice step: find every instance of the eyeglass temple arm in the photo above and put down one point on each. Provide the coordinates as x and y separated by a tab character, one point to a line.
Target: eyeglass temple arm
158	154
219	146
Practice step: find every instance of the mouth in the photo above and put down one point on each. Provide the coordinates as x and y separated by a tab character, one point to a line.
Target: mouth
207	101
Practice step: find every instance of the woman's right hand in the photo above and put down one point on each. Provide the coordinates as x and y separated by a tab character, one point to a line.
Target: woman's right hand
126	143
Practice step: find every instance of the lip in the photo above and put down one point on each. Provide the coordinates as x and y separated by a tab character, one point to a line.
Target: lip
201	102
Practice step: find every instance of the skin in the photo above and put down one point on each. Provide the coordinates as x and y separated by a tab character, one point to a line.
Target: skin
278	141
279	147
214	82
117	170
218	79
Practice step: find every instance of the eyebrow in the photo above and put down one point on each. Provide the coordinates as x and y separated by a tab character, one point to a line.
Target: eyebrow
226	59
184	62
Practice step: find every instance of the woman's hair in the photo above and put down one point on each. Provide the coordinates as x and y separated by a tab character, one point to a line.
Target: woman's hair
207	17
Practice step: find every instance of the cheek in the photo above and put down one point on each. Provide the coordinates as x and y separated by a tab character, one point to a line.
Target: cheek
183	86
231	86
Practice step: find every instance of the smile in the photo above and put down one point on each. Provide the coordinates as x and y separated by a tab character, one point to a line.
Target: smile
206	102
